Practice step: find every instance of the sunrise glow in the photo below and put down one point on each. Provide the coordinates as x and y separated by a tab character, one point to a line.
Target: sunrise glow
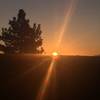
55	54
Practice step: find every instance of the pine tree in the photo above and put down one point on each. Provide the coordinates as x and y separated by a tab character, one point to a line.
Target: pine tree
20	37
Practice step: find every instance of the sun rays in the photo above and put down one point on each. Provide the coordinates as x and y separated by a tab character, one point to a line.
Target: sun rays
34	68
44	86
65	24
64	27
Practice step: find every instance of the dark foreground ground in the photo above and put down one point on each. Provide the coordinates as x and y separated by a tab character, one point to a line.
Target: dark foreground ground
73	77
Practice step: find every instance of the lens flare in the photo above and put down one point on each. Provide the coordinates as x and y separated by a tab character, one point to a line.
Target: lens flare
46	81
67	18
44	86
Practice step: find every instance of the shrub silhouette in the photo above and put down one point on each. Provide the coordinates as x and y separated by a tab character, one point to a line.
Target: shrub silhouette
20	37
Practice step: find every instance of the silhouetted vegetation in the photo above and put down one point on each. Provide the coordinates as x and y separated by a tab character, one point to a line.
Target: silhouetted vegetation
20	37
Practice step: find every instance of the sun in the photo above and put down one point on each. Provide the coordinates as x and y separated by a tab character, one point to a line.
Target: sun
55	54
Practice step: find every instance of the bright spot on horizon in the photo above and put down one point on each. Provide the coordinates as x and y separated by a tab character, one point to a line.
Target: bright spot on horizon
55	54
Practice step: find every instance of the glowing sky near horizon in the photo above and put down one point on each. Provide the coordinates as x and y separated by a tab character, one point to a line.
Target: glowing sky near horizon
81	34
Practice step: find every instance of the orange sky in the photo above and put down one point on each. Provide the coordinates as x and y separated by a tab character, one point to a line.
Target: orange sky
71	27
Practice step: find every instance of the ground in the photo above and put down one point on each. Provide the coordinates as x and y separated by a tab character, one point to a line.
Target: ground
73	77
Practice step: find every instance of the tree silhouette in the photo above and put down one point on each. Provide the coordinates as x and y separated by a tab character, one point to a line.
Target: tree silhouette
20	37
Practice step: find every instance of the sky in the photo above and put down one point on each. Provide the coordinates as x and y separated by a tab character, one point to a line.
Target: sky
71	27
